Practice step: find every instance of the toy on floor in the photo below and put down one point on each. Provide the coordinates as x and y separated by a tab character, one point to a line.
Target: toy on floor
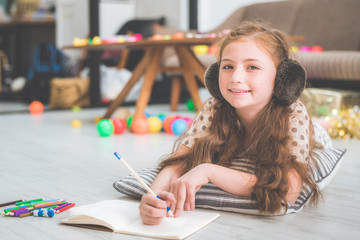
36	107
76	123
119	125
155	124
140	126
105	127
179	126
148	123
190	105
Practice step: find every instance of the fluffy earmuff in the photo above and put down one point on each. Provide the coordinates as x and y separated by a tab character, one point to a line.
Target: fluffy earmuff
290	82
212	81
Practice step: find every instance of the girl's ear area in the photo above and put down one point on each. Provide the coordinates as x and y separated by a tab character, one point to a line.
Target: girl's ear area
212	81
290	82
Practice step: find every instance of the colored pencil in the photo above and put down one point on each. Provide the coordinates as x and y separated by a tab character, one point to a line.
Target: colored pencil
65	208
47	204
10	203
29	201
26	214
14	208
61	206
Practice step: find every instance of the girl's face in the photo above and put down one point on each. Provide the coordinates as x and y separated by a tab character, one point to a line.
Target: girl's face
246	76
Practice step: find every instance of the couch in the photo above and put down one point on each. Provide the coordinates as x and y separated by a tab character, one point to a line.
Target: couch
332	24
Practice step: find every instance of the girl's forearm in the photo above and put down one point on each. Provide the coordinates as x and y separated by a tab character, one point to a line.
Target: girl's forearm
241	183
230	180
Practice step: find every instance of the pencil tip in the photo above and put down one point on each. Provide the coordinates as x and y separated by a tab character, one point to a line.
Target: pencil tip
117	155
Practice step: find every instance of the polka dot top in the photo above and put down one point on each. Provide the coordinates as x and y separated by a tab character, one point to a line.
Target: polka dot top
299	128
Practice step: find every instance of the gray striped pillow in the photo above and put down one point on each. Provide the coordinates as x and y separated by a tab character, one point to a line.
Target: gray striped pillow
210	196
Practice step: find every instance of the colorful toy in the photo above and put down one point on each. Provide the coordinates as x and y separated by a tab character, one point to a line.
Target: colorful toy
36	107
188	120
317	49
119	125
201	49
213	49
179	126
78	42
190	105
178	35
167	37
76	109
76	123
305	49
294	49
140	126
167	123
137	37
157	37
155	124
105	127
129	121
96	40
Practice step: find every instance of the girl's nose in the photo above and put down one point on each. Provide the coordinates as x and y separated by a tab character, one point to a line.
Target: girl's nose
238	76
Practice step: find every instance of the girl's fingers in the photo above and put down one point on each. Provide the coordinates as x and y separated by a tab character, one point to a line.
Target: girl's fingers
181	198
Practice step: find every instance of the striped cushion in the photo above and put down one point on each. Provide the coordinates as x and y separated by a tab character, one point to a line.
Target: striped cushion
336	65
210	196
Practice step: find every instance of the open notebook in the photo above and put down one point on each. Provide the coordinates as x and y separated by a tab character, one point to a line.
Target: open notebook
122	216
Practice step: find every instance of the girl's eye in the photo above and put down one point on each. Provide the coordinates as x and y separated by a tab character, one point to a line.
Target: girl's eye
253	68
226	67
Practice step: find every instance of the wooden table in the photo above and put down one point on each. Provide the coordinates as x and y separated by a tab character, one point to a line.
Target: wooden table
150	65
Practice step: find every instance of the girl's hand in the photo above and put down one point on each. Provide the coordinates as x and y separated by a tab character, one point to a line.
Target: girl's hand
153	210
185	187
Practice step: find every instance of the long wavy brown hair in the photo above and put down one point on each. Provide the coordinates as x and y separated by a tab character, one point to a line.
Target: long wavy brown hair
266	145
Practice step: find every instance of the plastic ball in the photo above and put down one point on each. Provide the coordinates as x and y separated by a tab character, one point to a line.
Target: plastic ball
36	107
131	118
179	127
167	37
317	49
96	40
137	37
140	126
76	123
201	49
155	124
157	37
188	120
119	125
162	116
294	49
305	49
213	49
120	39
190	105
167	123
178	35
105	127
76	109
129	121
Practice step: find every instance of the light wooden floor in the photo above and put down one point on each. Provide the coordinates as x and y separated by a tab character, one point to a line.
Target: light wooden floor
44	156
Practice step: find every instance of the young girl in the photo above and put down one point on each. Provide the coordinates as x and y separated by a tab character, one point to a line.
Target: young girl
254	114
